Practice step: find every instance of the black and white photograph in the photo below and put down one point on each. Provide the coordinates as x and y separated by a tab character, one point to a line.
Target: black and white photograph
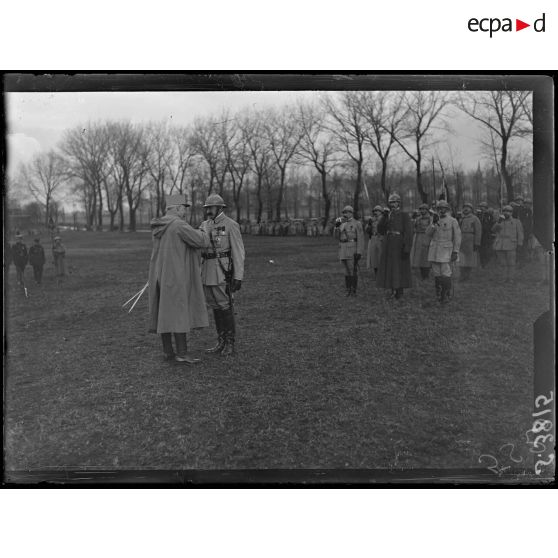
278	278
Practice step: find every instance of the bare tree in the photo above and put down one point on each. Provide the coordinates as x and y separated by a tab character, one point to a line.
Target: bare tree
43	176
422	109
158	145
384	111
284	136
503	115
318	146
350	128
180	158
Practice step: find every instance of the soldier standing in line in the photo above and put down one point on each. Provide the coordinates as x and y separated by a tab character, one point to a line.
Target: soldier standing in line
486	219
37	260
509	238
444	248
394	271
471	237
524	213
375	240
59	254
176	300
421	242
351	246
20	258
222	271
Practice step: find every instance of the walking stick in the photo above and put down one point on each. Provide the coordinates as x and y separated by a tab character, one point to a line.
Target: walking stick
135	298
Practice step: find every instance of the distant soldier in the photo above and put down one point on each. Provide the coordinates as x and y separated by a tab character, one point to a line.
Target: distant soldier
486	218
20	258
7	255
394	271
222	271
375	240
509	238
421	242
37	260
176	298
59	254
445	243
471	236
524	213
351	247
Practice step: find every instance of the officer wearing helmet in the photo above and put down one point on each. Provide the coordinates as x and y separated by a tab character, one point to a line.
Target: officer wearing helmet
486	218
351	247
222	271
445	243
394	271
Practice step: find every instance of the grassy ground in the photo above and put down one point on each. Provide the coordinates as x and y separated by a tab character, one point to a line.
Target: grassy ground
319	381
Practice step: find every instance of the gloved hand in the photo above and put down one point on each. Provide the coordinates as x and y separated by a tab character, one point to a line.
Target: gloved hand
357	257
476	248
453	256
338	221
435	218
235	285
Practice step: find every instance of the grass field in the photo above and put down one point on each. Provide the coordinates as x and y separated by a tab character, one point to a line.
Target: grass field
320	380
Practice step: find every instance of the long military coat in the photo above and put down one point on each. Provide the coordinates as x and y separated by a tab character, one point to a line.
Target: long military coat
471	236
224	238
421	242
509	234
394	271
176	299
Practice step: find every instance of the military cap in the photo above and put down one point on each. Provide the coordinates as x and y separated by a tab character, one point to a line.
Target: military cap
214	199
483	204
57	238
423	206
507	208
442	203
378	208
177	199
348	208
394	198
467	204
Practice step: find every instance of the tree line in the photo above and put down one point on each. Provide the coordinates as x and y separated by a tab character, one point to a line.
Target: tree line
352	140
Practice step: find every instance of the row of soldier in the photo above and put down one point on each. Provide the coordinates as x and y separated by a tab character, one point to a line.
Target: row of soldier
35	257
433	241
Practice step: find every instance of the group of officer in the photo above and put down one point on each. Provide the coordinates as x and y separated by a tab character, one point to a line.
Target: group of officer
191	270
35	256
432	240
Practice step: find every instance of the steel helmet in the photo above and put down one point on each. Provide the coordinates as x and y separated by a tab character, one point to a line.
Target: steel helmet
442	203
394	198
214	199
347	208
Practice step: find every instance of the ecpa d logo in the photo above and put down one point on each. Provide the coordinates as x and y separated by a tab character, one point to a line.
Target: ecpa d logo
492	25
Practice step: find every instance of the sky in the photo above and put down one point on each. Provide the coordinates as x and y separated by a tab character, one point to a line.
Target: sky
36	121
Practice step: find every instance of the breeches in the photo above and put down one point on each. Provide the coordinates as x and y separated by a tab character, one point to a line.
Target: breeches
441	269
216	297
506	258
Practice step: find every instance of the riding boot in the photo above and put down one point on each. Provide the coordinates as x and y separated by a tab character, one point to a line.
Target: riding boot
182	350
218	316
438	286
348	288
446	289
355	284
167	346
229	331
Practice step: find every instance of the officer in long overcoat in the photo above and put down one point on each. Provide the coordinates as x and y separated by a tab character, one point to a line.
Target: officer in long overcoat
471	237
394	271
351	247
176	298
421	242
375	240
509	238
487	221
445	242
222	271
20	258
37	260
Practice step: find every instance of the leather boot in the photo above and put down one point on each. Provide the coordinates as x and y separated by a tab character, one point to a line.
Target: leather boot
446	290
438	287
218	316
355	284
182	350
228	332
167	346
348	288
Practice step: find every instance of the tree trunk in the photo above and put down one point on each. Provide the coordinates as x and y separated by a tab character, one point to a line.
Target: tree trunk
326	196
280	196
132	226
100	208
358	186
120	215
259	198
505	174
383	178
423	195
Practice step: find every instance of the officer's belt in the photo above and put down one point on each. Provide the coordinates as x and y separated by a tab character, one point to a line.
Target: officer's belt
347	240
212	256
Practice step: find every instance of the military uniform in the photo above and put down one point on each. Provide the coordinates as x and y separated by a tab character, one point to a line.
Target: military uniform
471	235
20	258
421	243
59	254
375	241
486	219
222	272
525	216
351	247
37	260
445	243
509	237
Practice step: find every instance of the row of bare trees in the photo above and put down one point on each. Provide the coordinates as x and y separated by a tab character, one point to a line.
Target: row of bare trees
111	167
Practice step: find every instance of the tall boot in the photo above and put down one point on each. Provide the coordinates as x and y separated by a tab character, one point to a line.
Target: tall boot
182	350
446	290
218	316
167	346
348	288
438	286
229	331
355	284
